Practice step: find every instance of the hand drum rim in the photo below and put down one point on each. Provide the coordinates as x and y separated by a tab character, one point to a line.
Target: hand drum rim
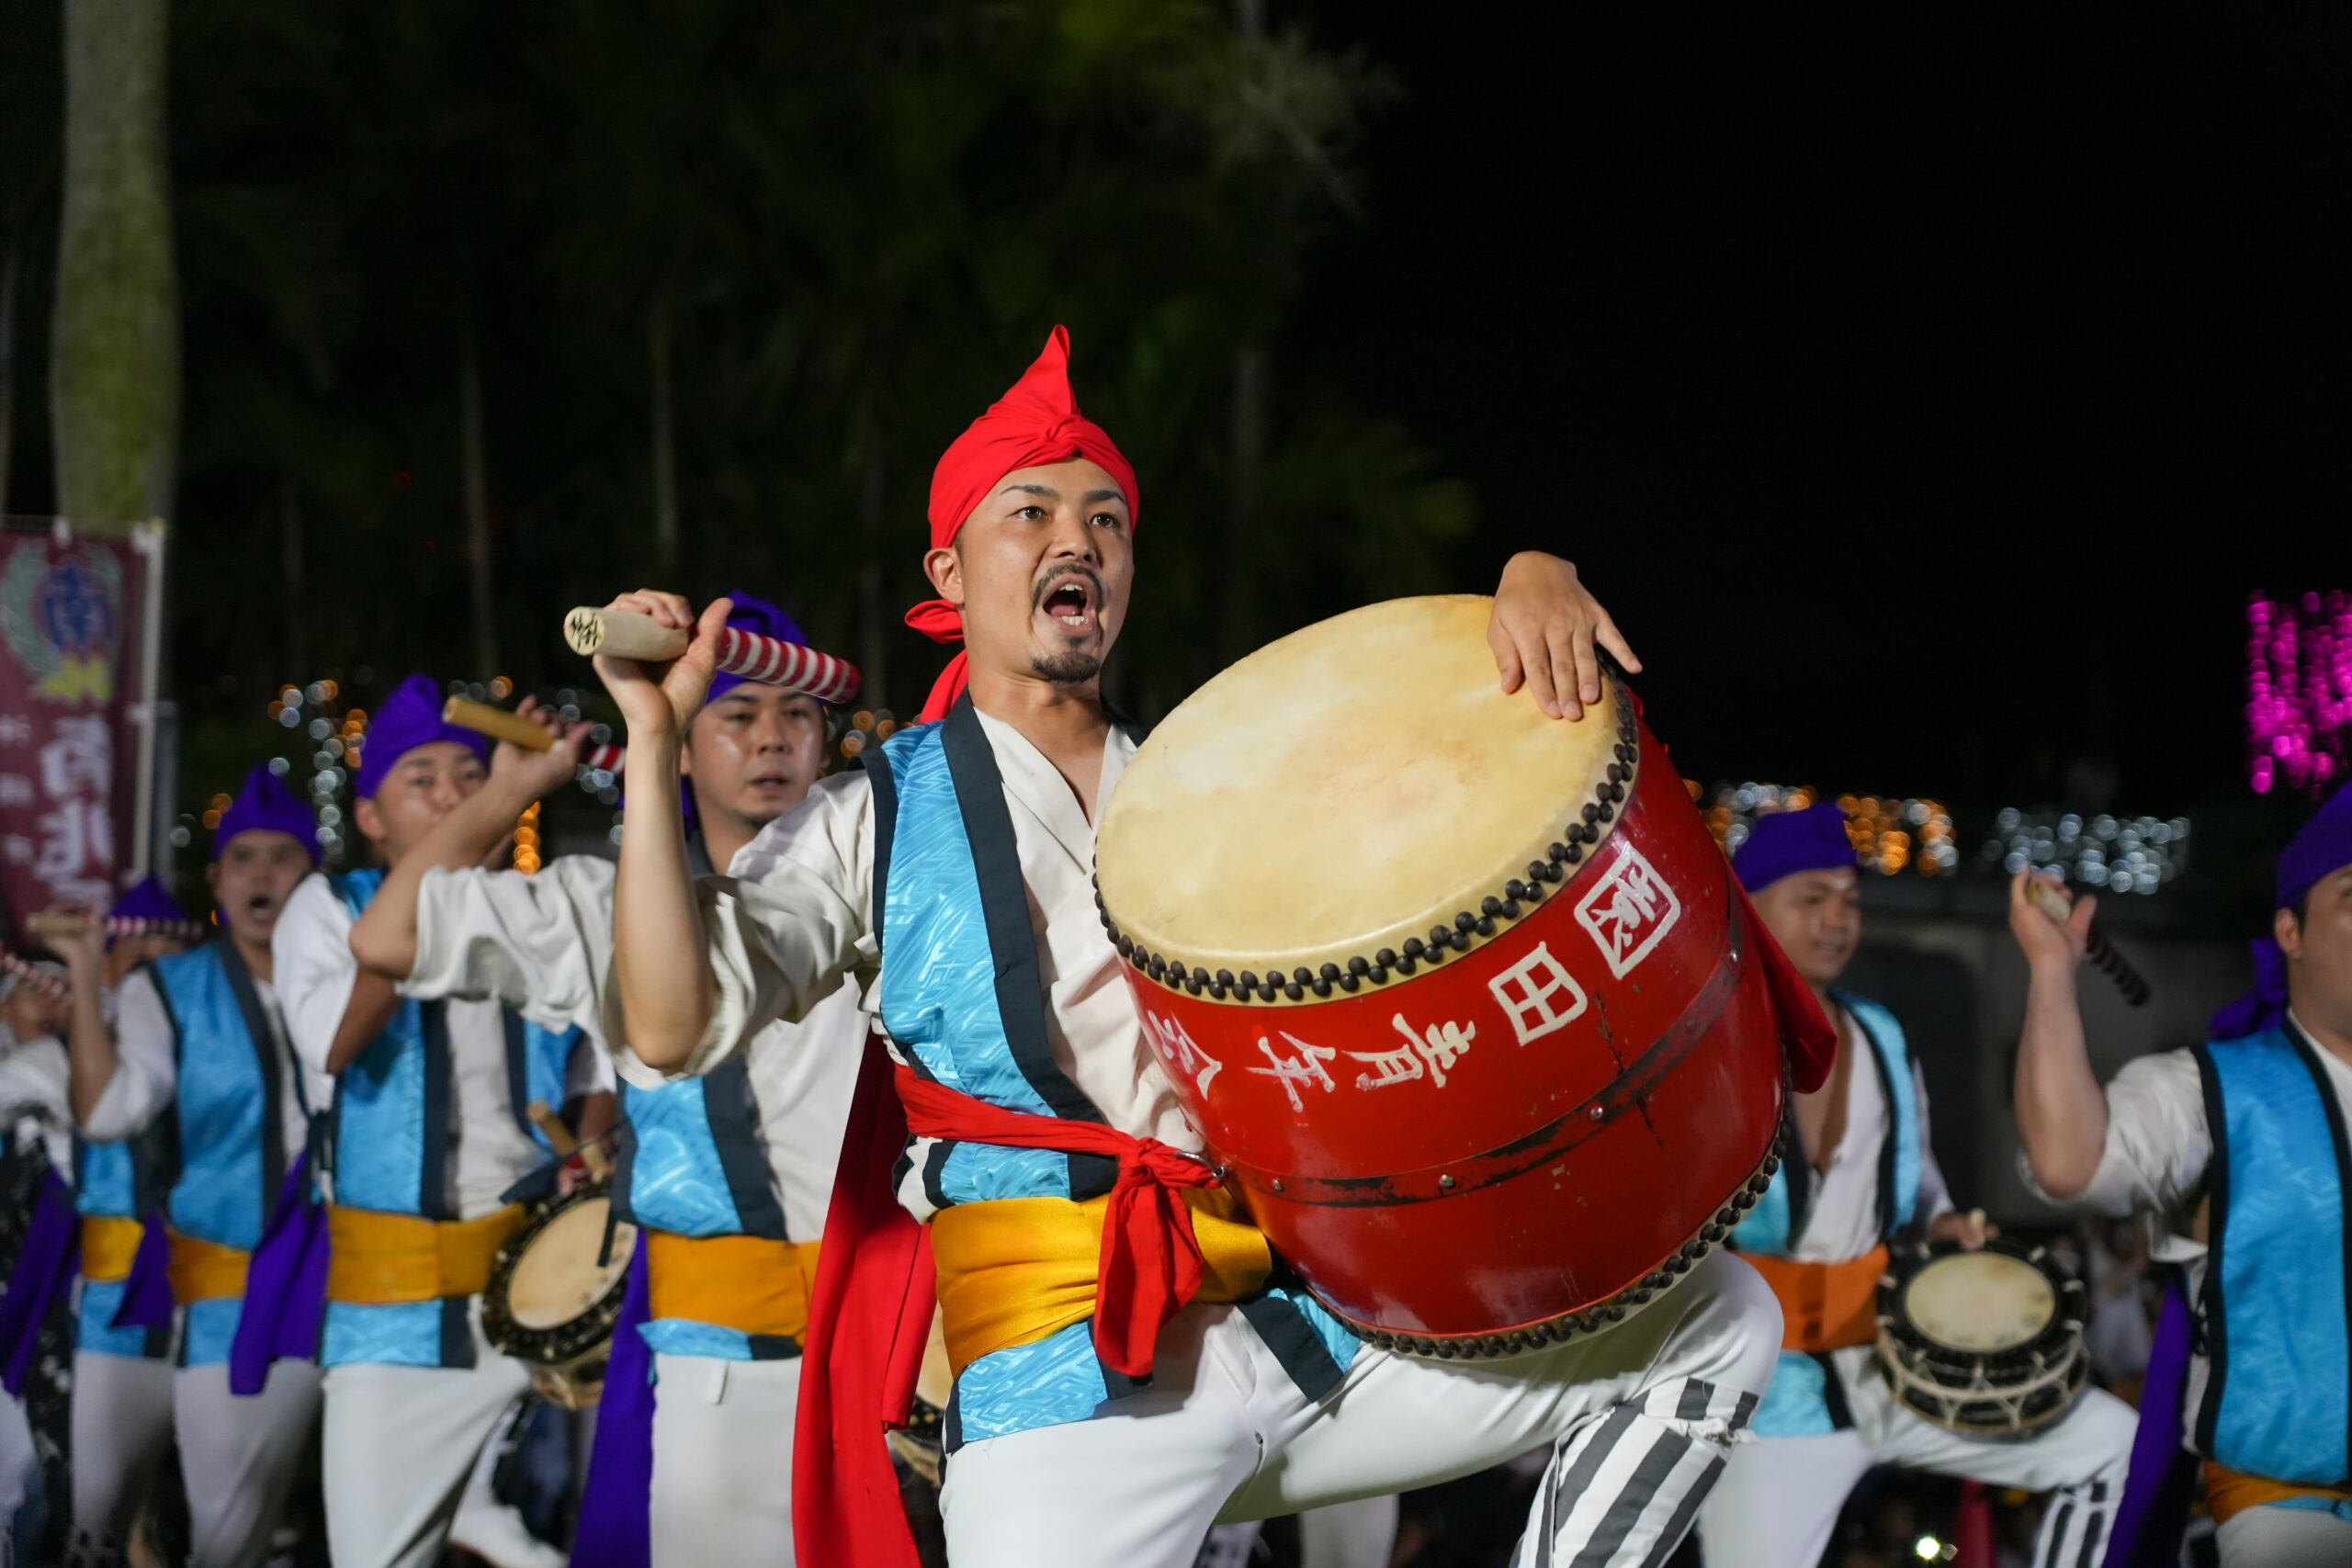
2011	1390
567	1358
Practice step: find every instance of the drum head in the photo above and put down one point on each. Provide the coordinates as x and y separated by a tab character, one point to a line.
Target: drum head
1979	1302
556	1278
1410	788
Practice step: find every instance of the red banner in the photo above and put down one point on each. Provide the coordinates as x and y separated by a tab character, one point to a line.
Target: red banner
72	613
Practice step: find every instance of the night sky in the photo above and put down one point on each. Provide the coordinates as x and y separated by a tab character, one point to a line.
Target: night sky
1924	403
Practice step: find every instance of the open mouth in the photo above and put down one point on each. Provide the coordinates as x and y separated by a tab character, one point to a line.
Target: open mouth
1071	603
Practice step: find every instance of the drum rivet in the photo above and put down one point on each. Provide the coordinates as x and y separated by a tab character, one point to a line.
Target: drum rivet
1379	975
1216	991
1462	939
1302	975
1127	948
1225	976
1614	1313
1711	1232
1358	965
1510	905
1616	772
1387	956
1294	990
1576	854
1464	921
1348	983
1413	946
1607	811
1726	1216
1599	1113
1266	992
1332	971
1638	1297
1249	980
1445	1183
1485	928
1514	889
1490	905
1320	986
1591	813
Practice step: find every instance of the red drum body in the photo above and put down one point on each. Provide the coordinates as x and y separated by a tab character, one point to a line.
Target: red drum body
1479	1098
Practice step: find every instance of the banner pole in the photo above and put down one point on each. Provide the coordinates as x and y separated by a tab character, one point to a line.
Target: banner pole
148	539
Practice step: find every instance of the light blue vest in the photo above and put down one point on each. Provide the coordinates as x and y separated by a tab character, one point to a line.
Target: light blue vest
124	1180
964	998
2278	1342
1804	1399
391	1152
232	1153
693	1162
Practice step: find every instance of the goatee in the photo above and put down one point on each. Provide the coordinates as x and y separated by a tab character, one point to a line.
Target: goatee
1066	669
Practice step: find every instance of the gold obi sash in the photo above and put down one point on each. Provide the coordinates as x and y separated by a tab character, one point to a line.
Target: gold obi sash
1013	1270
749	1284
377	1257
109	1242
204	1271
2229	1492
1825	1307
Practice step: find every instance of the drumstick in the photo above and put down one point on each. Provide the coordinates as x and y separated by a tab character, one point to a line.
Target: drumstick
65	923
559	1138
630	634
2097	949
33	974
500	724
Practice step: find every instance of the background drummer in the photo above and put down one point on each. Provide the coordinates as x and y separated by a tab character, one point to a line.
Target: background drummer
428	1132
197	1041
1821	1234
732	1172
1060	1459
2267	1378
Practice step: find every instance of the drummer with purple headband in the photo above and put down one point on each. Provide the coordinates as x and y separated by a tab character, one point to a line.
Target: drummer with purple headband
1858	1170
2236	1150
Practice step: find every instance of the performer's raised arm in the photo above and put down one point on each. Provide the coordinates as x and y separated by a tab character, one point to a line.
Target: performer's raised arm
660	967
384	938
2062	1112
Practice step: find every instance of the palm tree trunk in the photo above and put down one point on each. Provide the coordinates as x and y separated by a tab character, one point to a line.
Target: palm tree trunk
665	441
477	499
114	345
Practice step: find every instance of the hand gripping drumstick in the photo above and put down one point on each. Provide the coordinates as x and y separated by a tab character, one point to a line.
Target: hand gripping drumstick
2100	952
58	922
627	634
500	724
560	1139
32	974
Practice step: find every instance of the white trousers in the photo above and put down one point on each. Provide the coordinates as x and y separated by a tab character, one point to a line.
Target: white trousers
722	1461
1361	1534
1638	1419
239	1457
401	1445
121	1424
19	1471
2272	1536
1779	1497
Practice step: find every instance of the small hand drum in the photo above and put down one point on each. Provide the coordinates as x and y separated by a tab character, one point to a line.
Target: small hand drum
555	1293
1986	1343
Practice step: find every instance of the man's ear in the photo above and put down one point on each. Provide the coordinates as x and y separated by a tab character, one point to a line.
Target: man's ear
945	567
369	819
2288	932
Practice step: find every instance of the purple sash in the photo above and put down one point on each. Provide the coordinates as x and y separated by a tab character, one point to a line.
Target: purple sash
286	1287
47	1263
147	1291
615	1528
2162	1477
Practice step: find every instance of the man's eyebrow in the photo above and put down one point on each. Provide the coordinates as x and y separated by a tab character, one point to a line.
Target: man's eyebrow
1094	495
1046	491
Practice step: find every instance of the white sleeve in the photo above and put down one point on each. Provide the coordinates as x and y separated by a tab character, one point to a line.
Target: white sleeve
539	943
1935	1198
589	1070
33	1079
785	928
146	1072
2157	1144
314	970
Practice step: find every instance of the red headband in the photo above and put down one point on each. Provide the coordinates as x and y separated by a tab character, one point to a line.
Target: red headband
1036	422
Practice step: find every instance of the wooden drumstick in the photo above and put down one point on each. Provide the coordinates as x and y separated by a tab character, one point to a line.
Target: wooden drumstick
65	923
500	724
630	634
43	980
2096	950
559	1138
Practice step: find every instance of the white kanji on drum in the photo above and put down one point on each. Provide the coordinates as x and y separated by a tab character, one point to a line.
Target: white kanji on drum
1181	1052
1629	909
1537	994
1426	1054
1306	1068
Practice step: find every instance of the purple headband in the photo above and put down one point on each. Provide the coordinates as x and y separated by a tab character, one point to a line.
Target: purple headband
266	806
2324	845
1787	842
148	900
410	717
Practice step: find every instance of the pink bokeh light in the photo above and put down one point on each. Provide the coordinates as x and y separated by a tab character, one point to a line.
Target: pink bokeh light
2299	690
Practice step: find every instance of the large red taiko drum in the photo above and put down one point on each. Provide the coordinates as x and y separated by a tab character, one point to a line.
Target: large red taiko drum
1461	998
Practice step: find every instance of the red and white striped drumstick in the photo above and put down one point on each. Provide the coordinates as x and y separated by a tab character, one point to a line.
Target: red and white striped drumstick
53	922
33	974
627	634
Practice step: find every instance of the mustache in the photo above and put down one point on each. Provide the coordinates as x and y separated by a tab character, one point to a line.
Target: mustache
1061	574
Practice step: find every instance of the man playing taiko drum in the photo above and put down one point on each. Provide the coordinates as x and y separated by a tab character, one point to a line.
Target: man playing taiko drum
968	856
1863	1171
